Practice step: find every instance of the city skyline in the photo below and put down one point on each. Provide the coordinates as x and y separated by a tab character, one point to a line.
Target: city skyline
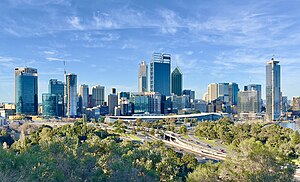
210	43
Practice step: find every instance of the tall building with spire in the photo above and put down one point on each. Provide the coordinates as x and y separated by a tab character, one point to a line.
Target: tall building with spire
160	73
26	91
143	77
273	90
176	82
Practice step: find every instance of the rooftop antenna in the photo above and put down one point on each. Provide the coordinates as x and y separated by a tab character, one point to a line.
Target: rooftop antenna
65	68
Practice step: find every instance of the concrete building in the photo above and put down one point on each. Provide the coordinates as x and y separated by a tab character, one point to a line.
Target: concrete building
160	73
71	95
176	82
26	91
98	93
143	77
212	92
112	101
296	104
273	90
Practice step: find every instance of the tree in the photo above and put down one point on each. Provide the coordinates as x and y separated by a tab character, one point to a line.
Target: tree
253	161
183	130
205	172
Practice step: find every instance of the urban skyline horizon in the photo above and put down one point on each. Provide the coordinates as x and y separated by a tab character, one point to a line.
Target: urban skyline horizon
108	89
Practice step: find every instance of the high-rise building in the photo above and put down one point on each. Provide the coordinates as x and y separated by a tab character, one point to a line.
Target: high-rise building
71	95
146	102
56	87
273	91
143	77
98	93
26	91
84	94
160	73
257	88
176	82
233	93
296	104
248	102
223	92
212	92
112	101
50	104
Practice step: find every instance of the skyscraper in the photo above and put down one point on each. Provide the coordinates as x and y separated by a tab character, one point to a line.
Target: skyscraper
143	77
160	73
98	93
26	91
50	104
212	92
223	92
257	88
248	102
233	93
176	82
84	94
71	95
112	100
56	87
273	90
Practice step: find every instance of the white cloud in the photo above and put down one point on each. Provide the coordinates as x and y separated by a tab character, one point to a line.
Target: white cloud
75	22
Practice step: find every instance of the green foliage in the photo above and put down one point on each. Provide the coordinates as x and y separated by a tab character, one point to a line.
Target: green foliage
250	161
85	153
183	130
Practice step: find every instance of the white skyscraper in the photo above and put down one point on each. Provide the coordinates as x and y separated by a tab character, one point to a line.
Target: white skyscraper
273	91
143	77
212	92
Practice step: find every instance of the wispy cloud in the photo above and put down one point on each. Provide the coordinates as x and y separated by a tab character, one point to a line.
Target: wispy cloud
75	22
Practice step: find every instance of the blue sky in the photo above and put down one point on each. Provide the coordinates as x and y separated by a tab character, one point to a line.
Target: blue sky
104	41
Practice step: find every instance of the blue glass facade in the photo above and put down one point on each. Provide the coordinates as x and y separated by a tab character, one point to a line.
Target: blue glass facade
50	104
26	91
57	87
160	73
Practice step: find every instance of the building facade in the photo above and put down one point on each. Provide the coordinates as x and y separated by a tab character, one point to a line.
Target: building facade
233	93
26	91
143	77
160	73
176	82
98	93
256	87
248	102
273	90
84	94
212	92
71	95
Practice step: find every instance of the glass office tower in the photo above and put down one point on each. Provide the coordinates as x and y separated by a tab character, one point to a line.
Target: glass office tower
57	87
26	91
176	82
273	90
50	104
143	77
160	73
233	93
84	94
71	95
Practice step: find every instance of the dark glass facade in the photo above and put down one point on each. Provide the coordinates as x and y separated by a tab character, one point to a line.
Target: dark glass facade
57	88
50	104
26	91
176	82
160	73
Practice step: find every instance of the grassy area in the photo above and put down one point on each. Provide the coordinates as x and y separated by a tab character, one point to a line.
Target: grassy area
133	137
210	142
185	136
